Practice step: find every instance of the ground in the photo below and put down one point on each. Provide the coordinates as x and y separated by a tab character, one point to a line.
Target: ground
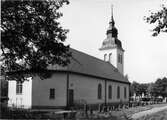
162	115
158	112
140	112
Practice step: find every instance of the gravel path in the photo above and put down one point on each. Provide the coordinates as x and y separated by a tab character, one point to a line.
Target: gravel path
148	112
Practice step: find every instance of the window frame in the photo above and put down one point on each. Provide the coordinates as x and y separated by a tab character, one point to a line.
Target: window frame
19	87
105	57
110	57
118	58
118	92
52	93
110	92
125	92
121	59
99	91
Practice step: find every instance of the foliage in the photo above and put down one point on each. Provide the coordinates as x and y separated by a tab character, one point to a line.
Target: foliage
160	87
32	37
134	88
158	18
138	88
4	87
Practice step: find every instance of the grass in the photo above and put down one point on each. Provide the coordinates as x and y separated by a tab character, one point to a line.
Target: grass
162	115
125	114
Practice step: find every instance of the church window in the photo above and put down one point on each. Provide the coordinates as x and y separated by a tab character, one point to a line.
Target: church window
99	91
121	59
19	87
118	92
109	91
52	93
118	58
125	94
105	57
110	57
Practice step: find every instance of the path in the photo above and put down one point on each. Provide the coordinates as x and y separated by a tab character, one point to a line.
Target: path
148	112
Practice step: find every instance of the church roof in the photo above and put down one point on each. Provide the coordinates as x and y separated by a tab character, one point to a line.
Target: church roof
88	65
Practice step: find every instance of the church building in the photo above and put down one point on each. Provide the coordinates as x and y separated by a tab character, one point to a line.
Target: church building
86	79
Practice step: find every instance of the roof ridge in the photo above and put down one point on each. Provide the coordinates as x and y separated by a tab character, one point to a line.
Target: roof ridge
96	59
106	62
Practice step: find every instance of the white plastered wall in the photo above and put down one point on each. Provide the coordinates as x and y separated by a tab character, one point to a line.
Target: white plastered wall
20	100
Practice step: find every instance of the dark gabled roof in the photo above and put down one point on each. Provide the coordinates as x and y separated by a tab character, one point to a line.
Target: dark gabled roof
89	65
84	64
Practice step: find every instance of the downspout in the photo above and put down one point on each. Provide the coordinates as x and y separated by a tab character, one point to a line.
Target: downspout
67	91
105	99
129	93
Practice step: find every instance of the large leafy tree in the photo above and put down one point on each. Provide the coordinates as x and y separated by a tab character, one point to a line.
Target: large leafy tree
160	87
31	36
135	88
139	88
159	19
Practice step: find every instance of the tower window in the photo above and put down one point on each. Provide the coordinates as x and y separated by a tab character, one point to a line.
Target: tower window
52	93
110	57
99	91
118	58
121	59
19	87
105	57
109	91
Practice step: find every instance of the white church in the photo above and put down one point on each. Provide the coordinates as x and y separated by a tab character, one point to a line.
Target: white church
87	78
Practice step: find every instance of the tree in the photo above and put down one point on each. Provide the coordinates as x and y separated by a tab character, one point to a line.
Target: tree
139	89
143	89
134	88
3	87
158	18
150	89
32	37
160	87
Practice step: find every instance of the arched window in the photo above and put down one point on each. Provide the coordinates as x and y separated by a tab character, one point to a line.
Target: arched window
110	92
125	94
110	57
99	91
118	92
105	57
119	58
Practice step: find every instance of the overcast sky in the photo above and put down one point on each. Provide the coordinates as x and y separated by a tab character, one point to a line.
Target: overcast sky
145	56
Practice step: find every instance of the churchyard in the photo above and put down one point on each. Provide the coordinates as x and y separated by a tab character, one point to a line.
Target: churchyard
119	112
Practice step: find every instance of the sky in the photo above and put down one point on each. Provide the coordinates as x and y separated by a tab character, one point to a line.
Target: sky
145	57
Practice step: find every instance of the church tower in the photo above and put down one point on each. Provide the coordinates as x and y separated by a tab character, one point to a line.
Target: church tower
111	48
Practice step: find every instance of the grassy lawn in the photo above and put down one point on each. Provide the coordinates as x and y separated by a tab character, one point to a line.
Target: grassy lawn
125	114
162	115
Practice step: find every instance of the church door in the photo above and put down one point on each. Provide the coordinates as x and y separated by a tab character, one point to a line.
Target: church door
71	97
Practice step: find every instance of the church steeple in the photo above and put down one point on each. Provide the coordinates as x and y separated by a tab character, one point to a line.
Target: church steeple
112	29
111	48
112	22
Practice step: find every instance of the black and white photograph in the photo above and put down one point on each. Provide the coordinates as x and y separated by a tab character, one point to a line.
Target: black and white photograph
83	59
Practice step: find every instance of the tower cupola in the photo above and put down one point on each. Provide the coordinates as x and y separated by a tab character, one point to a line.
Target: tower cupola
112	35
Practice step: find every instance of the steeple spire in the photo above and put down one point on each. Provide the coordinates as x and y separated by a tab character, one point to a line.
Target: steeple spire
112	22
112	30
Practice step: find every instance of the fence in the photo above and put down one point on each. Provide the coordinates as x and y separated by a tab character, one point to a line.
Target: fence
84	111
